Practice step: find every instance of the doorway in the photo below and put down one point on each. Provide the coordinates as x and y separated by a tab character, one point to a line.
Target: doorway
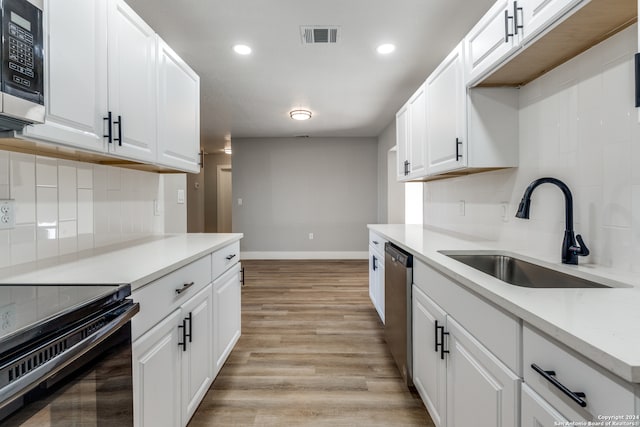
224	198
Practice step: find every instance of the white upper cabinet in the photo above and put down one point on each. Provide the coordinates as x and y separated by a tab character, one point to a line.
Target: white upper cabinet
75	75
132	83
539	14
178	111
402	140
491	40
446	139
114	88
411	136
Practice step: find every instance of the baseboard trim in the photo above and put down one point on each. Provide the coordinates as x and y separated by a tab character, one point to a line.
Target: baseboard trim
305	255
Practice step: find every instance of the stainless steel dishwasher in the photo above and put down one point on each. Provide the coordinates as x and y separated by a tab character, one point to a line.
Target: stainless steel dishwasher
397	299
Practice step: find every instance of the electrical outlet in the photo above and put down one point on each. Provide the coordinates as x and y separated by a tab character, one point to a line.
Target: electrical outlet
310	236
7	214
7	318
461	207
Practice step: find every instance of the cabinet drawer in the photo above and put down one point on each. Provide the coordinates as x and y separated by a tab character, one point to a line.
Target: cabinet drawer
496	329
160	297
605	394
377	242
224	258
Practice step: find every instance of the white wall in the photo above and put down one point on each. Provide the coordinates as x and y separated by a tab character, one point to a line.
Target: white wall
577	123
292	187
64	206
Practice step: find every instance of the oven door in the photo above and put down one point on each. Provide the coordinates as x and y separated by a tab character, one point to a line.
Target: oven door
93	387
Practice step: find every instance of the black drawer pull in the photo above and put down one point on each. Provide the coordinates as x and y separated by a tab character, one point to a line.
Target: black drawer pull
190	334
184	288
576	396
109	120
441	343
230	257
119	123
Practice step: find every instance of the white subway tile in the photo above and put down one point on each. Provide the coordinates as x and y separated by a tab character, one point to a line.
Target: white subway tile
46	171
67	191
85	176
5	249
617	185
4	168
68	242
23	186
85	211
114	178
23	244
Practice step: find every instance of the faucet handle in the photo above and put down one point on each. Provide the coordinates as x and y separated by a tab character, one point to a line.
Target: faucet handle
582	249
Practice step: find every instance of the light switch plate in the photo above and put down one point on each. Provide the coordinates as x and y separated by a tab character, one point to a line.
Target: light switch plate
7	214
180	196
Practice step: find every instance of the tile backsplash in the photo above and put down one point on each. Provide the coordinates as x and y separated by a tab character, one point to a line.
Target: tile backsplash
64	206
578	123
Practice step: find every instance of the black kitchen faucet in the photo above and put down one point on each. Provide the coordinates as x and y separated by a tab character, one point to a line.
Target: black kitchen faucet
570	249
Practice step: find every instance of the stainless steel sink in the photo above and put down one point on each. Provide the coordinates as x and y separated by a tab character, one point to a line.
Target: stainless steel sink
522	273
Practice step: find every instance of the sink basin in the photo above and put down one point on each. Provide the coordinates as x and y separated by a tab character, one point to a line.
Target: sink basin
522	273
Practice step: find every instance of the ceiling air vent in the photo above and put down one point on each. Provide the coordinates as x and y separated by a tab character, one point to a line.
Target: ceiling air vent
319	34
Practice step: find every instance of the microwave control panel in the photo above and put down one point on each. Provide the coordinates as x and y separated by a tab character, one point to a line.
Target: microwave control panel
22	50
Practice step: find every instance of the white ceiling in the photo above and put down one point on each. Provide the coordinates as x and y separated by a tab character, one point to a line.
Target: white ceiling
351	90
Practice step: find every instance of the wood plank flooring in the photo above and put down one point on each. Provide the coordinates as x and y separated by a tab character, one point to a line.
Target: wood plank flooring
312	353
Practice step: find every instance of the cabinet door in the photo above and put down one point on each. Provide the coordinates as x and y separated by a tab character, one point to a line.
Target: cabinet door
76	75
536	412
446	118
402	142
539	14
380	289
429	369
197	369
373	278
417	134
132	83
488	43
178	111
156	372
481	390
226	309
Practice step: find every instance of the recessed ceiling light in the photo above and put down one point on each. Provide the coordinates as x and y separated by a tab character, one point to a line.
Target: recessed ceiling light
242	49
300	114
385	49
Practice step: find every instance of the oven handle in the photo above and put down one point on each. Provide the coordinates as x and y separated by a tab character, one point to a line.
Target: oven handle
31	380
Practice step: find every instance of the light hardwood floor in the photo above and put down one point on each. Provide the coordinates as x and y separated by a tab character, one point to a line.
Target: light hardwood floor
312	352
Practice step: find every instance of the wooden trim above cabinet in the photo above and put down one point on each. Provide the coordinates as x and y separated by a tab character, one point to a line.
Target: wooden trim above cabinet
67	153
592	23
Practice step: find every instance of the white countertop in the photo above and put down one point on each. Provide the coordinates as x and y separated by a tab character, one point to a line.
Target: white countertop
601	324
136	262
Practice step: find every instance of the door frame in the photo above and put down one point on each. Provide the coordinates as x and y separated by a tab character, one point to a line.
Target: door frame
219	172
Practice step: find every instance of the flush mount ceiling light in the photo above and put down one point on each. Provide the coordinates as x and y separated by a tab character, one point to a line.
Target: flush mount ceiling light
385	49
300	114
242	49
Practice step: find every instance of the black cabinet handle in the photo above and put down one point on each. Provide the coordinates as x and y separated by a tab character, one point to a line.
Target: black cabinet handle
516	26
184	288
230	257
374	261
375	242
435	336
183	344
458	144
576	396
109	134
441	343
189	318
119	123
242	276
507	34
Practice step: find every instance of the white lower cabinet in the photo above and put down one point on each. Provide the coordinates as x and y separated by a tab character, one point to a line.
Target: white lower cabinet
481	390
226	322
536	412
460	378
376	272
187	326
197	351
156	375
429	365
172	364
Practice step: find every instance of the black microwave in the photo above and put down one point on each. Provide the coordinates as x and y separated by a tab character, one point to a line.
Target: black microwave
22	75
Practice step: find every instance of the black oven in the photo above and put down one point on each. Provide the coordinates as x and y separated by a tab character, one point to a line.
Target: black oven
74	366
